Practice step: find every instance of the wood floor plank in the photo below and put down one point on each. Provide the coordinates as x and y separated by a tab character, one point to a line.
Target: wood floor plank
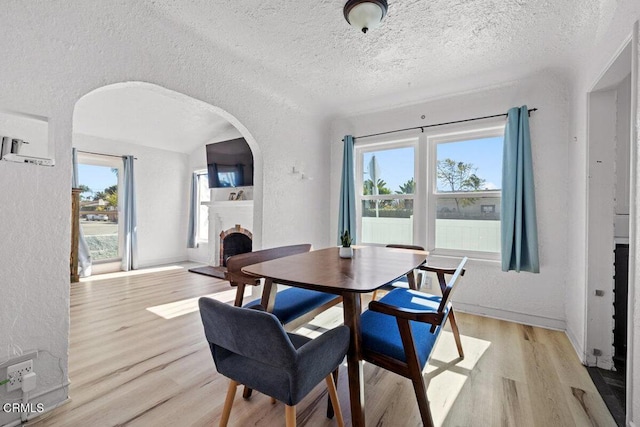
138	357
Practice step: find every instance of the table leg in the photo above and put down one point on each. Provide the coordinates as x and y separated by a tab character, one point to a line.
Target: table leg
269	295
352	309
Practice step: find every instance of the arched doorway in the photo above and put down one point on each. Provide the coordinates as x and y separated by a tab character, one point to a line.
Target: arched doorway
167	132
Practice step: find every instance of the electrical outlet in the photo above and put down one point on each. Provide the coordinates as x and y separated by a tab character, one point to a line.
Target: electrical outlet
16	372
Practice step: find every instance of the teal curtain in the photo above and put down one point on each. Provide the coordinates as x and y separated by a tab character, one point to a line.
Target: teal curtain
193	212
130	250
84	254
347	213
518	206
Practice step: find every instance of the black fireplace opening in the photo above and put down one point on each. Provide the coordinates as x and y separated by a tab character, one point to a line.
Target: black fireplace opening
234	244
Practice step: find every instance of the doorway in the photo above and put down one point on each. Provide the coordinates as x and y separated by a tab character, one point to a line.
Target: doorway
608	218
100	179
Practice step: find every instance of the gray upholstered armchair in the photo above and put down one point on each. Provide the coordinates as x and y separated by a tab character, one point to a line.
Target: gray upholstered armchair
251	347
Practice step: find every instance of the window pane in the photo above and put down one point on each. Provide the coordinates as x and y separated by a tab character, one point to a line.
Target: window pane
470	223
387	221
99	210
391	169
469	165
203	223
203	187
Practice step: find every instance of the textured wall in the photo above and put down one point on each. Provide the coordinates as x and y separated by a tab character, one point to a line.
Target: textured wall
53	54
160	178
531	298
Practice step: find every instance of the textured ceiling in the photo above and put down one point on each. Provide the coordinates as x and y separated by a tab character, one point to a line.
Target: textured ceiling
424	48
305	53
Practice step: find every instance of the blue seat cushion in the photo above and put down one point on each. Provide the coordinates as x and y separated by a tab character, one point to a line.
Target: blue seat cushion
380	331
292	303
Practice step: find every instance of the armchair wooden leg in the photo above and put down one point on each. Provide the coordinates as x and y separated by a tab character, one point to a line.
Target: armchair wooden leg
330	411
423	404
333	394
456	332
228	403
290	414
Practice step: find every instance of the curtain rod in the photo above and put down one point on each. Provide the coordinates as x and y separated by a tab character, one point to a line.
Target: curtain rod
101	154
439	124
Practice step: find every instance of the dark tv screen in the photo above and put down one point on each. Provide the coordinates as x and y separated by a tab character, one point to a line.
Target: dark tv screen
230	164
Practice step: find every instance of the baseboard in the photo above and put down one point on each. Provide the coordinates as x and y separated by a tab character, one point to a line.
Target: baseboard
579	349
162	261
512	316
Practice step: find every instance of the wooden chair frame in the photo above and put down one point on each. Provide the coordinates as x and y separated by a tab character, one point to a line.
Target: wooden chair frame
415	280
411	368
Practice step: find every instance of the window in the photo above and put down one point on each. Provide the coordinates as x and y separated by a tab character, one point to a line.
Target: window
98	177
386	192
464	202
440	190
204	197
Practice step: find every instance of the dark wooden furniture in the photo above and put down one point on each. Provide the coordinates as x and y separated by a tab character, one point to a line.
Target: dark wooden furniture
324	270
404	282
400	331
295	306
75	233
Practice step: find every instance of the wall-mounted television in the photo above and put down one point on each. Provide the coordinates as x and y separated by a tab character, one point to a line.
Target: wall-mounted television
230	163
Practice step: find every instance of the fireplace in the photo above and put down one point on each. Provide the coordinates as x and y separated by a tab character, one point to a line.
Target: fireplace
234	241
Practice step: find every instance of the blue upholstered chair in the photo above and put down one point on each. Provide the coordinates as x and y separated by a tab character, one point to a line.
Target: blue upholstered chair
293	306
400	331
250	346
403	282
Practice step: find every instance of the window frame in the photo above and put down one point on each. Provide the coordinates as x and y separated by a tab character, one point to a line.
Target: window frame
112	162
455	134
425	195
379	145
201	174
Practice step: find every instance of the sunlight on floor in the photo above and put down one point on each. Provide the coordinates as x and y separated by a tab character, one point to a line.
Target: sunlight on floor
186	306
446	374
119	274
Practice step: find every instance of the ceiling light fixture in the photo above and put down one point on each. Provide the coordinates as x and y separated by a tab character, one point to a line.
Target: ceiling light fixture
365	14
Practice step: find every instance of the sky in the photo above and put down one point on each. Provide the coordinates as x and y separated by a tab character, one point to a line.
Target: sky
396	165
96	178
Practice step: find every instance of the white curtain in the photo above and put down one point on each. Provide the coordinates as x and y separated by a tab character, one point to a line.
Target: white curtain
130	250
84	255
193	212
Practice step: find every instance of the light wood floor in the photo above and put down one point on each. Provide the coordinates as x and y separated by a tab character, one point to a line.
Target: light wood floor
138	357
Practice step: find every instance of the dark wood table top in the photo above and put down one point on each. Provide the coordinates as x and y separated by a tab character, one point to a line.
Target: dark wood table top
370	268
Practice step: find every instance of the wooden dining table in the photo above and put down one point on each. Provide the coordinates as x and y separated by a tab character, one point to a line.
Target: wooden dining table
323	270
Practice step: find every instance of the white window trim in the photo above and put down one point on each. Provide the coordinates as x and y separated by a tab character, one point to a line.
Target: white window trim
425	196
359	151
199	237
432	196
115	162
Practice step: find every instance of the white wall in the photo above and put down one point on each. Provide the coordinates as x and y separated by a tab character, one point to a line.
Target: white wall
613	36
162	197
600	222
52	55
529	298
